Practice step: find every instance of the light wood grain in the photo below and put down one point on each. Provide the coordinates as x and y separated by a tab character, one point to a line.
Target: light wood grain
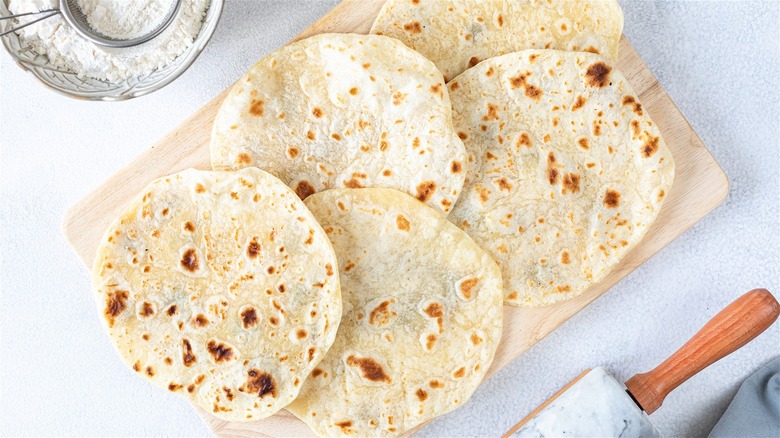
736	325
700	185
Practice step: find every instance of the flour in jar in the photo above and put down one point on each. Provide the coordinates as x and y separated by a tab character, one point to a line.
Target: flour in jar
122	19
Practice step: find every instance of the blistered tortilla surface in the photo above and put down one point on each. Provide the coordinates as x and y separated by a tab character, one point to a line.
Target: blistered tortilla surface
344	110
422	316
566	169
220	287
458	34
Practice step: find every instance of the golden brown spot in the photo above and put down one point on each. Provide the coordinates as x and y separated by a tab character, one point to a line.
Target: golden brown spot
436	89
352	184
597	75
228	393
304	189
435	384
353	91
311	135
500	20
578	103
256	108
473	61
475	339
459	373
200	320
425	190
347	267
434	310
430	341
173	387
274	321
402	223
565	288
611	199
661	194
565	260
199	187
168	361
503	184
592	49
260	383
249	317
398	98
150	371
492	113
571	183
336	137
370	369
467	286
281	288
145	336
454	86
189	227
219	351
532	57
301	333
381	315
552	172
165	212
172	310
253	249
316	372
292	152
583	142
328	269
115	305
189	260
489	72
316	112
421	394
147	309
512	296
413	27
524	140
271	270
650	147
533	92
455	167
462	135
345	426
186	356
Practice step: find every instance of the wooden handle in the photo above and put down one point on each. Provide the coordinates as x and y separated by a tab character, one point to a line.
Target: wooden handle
733	327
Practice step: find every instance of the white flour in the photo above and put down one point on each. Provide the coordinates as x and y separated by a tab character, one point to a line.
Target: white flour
124	19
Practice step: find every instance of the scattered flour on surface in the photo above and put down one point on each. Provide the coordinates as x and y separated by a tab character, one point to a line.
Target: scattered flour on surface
124	19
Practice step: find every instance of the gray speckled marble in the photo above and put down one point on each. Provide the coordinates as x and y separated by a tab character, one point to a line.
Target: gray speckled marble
594	406
59	376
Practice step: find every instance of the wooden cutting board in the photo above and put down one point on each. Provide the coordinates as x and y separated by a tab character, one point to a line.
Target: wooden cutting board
699	186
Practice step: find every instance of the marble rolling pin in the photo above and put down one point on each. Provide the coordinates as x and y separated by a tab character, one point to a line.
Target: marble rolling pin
595	404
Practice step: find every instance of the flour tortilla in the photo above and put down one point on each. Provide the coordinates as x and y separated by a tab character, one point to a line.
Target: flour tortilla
457	34
344	110
566	169
422	316
220	287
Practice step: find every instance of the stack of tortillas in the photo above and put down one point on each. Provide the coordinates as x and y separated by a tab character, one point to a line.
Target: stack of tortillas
365	309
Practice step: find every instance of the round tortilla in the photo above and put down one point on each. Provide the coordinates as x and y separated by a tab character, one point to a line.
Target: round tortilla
344	110
422	316
457	34
220	287
566	169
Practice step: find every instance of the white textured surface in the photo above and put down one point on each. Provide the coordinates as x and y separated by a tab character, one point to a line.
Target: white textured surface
60	376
